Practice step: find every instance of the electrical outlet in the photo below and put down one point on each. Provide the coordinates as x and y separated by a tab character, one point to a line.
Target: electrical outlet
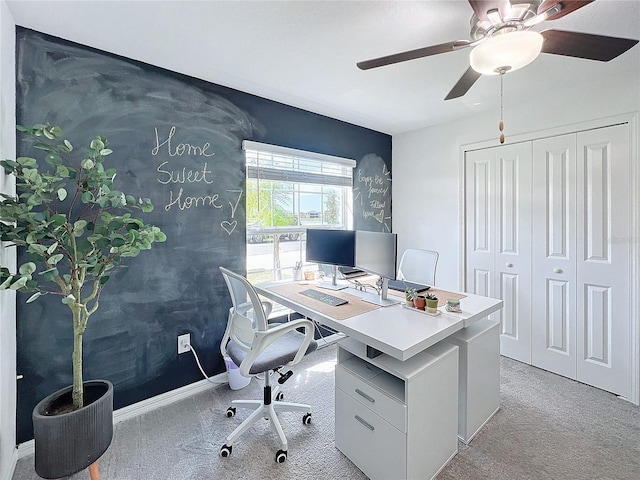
184	342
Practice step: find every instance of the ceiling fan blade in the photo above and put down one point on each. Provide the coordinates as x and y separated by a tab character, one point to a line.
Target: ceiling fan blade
568	6
413	54
585	45
481	7
464	84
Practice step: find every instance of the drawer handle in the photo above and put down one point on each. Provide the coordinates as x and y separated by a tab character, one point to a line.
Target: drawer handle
361	393
365	423
557	270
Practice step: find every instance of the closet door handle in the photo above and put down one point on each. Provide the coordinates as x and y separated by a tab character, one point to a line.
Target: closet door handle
557	270
508	264
362	394
365	423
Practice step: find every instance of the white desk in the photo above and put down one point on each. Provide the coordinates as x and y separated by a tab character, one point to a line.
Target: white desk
396	413
394	330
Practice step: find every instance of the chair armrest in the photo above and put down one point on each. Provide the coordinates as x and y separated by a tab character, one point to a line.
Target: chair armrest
263	339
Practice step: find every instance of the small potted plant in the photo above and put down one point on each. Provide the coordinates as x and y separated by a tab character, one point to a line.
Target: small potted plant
419	302
432	303
410	295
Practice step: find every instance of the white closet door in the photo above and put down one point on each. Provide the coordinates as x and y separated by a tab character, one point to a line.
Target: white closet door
498	193
554	255
480	195
603	259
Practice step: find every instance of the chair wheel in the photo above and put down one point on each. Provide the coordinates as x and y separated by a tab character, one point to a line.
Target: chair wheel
225	450
231	411
281	456
306	419
279	396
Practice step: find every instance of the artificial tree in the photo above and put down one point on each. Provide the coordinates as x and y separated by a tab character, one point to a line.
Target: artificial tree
75	226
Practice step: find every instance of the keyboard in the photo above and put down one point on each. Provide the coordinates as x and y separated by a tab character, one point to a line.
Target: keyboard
324	297
401	285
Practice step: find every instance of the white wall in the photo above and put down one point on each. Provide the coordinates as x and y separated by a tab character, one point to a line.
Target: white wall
7	255
426	163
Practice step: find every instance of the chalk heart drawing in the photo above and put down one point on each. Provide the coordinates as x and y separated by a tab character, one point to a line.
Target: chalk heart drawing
379	217
229	227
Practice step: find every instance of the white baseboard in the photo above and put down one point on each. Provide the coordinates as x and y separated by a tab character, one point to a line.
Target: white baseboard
7	469
131	411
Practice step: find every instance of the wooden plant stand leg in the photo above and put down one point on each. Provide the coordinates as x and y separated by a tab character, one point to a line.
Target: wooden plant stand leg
93	471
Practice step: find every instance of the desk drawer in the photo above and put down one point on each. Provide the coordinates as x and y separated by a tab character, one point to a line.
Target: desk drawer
374	399
375	446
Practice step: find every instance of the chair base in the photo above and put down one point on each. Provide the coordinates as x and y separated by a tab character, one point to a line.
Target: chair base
268	411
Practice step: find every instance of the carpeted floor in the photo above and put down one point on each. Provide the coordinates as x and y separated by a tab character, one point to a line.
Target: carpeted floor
548	427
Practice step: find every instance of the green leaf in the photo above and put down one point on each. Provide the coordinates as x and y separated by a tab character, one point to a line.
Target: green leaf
53	159
54	259
4	285
97	144
58	220
87	164
50	275
27	268
69	299
68	145
62	194
62	171
79	225
117	242
106	151
33	297
26	161
20	283
104	279
52	248
115	225
87	197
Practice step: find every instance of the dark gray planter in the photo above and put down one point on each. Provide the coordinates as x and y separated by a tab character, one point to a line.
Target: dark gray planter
70	442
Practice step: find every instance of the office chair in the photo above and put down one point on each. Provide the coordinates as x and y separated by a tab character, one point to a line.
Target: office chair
262	349
418	266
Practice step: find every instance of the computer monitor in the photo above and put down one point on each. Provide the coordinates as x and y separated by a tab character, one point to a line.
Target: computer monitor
331	247
376	254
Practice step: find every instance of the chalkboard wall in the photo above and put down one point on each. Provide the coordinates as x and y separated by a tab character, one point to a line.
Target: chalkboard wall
161	126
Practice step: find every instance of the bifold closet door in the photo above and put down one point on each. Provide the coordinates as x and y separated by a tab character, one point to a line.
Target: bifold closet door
498	238
581	321
553	345
603	256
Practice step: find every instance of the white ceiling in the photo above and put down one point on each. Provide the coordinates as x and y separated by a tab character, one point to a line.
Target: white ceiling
304	53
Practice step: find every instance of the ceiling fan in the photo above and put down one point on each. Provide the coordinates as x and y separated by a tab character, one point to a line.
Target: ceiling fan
502	40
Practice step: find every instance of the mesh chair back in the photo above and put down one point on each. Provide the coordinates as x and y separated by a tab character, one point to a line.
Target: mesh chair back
418	266
247	314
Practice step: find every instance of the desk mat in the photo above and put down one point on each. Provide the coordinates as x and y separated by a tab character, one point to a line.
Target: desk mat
356	305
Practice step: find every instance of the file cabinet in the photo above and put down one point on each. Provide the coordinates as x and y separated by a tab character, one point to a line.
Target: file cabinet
397	419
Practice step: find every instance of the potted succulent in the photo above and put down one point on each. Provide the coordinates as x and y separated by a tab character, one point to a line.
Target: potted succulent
419	302
432	303
76	228
410	295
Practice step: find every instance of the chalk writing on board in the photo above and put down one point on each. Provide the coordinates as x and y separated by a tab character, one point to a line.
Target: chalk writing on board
372	194
188	195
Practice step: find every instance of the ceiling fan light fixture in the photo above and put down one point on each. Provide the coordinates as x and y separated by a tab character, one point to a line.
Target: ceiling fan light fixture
506	52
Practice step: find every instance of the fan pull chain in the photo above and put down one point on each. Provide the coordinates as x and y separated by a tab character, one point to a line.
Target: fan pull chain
501	124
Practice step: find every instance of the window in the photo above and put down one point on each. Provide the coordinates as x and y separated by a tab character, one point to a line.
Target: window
287	192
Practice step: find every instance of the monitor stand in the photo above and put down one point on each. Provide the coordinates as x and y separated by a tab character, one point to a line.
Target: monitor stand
383	300
334	282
